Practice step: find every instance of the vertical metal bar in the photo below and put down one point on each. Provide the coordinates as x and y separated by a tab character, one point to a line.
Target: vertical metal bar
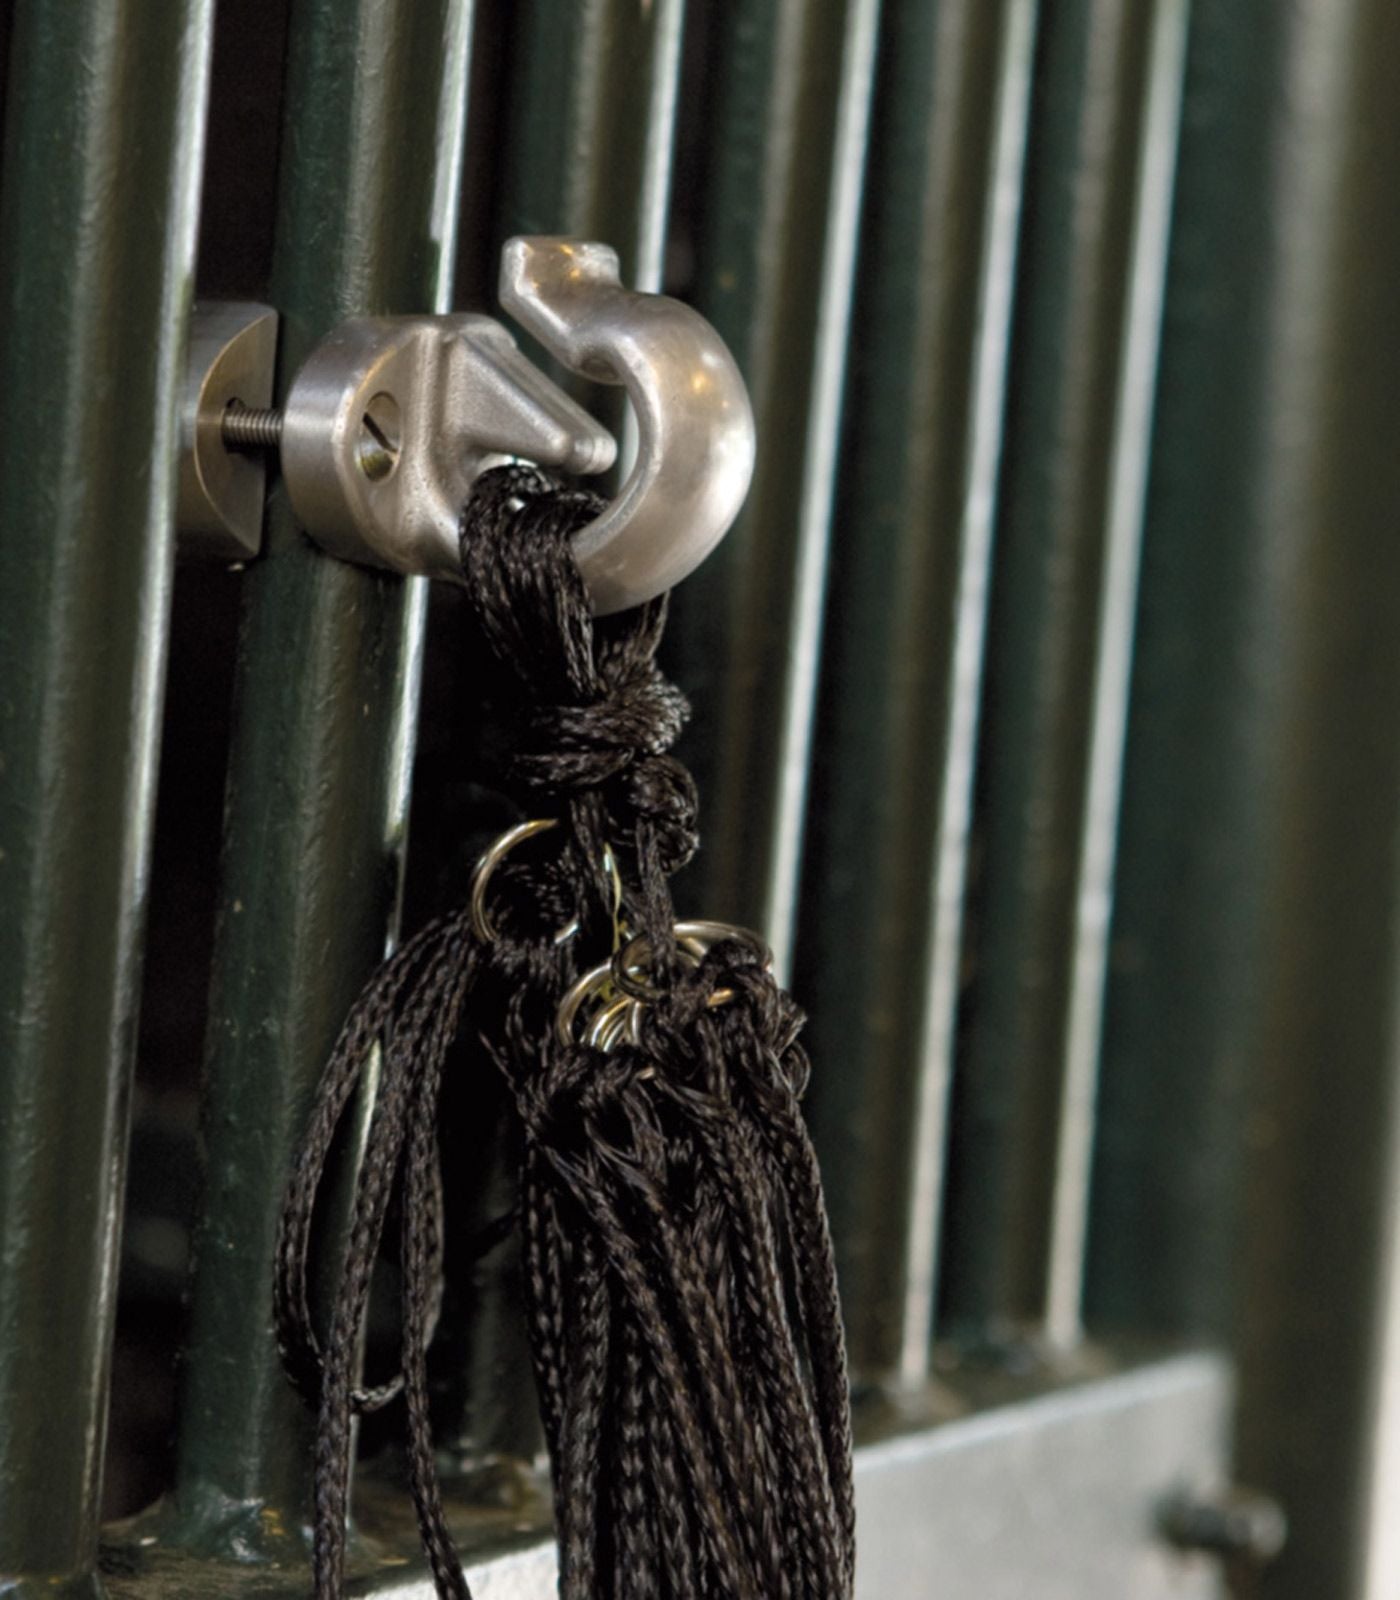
883	889
1263	782
1200	765
1103	147
1127	488
591	125
586	130
104	125
778	214
327	684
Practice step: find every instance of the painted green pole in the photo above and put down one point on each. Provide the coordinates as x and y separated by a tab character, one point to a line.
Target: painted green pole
1102	153
325	707
879	942
776	211
1246	1184
104	127
585	129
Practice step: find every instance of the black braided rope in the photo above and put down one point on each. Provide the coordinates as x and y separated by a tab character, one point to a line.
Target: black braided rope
680	1292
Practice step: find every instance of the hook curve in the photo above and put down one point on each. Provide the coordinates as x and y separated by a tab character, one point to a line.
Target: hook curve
695	453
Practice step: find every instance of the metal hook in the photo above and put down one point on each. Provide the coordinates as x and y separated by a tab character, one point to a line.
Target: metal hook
695	452
390	420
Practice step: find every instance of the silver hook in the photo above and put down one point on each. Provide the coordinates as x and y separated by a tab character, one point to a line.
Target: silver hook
390	420
695	450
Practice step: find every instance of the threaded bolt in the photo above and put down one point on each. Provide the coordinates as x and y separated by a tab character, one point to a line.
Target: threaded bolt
244	428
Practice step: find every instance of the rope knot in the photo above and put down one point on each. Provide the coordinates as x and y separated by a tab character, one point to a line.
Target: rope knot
578	747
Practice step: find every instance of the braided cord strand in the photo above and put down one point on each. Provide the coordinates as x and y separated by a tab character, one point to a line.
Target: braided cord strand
680	1294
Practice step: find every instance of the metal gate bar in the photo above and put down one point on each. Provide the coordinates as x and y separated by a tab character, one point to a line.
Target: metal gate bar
776	215
104	119
1103	148
323	742
589	126
1261	825
880	927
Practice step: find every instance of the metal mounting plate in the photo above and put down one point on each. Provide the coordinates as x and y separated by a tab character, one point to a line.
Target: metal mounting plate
231	356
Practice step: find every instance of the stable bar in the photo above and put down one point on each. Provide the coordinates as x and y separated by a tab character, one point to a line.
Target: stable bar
104	127
1102	148
589	126
1253	1014
880	947
585	131
777	218
327	683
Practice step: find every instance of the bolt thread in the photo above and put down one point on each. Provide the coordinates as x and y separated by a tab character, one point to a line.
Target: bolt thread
244	428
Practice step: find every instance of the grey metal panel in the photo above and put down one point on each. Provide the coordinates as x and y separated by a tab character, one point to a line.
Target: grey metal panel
1053	1499
1050	1497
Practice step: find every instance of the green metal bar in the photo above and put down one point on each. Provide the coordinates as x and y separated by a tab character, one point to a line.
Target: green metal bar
585	135
777	207
591	125
104	125
1253	1016
1200	773
327	683
1102	148
881	911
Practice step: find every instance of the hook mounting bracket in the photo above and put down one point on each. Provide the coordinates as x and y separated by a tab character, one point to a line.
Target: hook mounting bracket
390	420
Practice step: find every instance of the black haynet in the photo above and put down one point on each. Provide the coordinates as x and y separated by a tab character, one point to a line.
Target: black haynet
680	1293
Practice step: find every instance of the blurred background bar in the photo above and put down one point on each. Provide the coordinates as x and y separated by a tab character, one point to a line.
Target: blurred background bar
1102	148
1246	1175
322	744
99	181
772	223
879	933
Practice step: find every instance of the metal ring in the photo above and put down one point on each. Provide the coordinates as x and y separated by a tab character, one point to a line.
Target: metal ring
498	850
611	1024
694	939
594	981
486	865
